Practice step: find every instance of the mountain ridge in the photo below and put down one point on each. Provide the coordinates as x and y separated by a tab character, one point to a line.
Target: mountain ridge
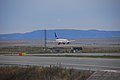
62	33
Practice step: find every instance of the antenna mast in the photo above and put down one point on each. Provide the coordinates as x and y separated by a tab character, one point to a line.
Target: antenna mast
45	40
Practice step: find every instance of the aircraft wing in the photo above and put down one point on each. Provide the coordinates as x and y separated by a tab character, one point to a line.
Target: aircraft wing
71	40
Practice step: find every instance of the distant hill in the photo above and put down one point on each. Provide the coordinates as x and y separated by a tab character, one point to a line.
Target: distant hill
62	33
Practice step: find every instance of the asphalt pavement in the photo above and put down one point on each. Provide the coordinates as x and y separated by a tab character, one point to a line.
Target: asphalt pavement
68	62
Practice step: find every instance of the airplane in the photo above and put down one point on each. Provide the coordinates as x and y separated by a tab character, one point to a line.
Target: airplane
61	41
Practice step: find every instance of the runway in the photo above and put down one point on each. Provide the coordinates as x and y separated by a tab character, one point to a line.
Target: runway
68	62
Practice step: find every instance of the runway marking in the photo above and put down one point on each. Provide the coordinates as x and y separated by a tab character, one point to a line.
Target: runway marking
116	71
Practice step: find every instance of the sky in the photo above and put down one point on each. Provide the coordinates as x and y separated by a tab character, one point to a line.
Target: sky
20	16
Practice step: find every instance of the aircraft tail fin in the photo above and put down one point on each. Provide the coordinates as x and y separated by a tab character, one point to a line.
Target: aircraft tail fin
55	35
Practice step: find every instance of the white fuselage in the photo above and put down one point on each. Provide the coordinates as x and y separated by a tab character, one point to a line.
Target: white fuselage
62	41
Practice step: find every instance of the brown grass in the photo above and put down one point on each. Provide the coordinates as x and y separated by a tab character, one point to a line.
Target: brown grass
42	73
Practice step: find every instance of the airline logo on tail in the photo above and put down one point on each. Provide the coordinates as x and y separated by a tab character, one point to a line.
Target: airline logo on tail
56	35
